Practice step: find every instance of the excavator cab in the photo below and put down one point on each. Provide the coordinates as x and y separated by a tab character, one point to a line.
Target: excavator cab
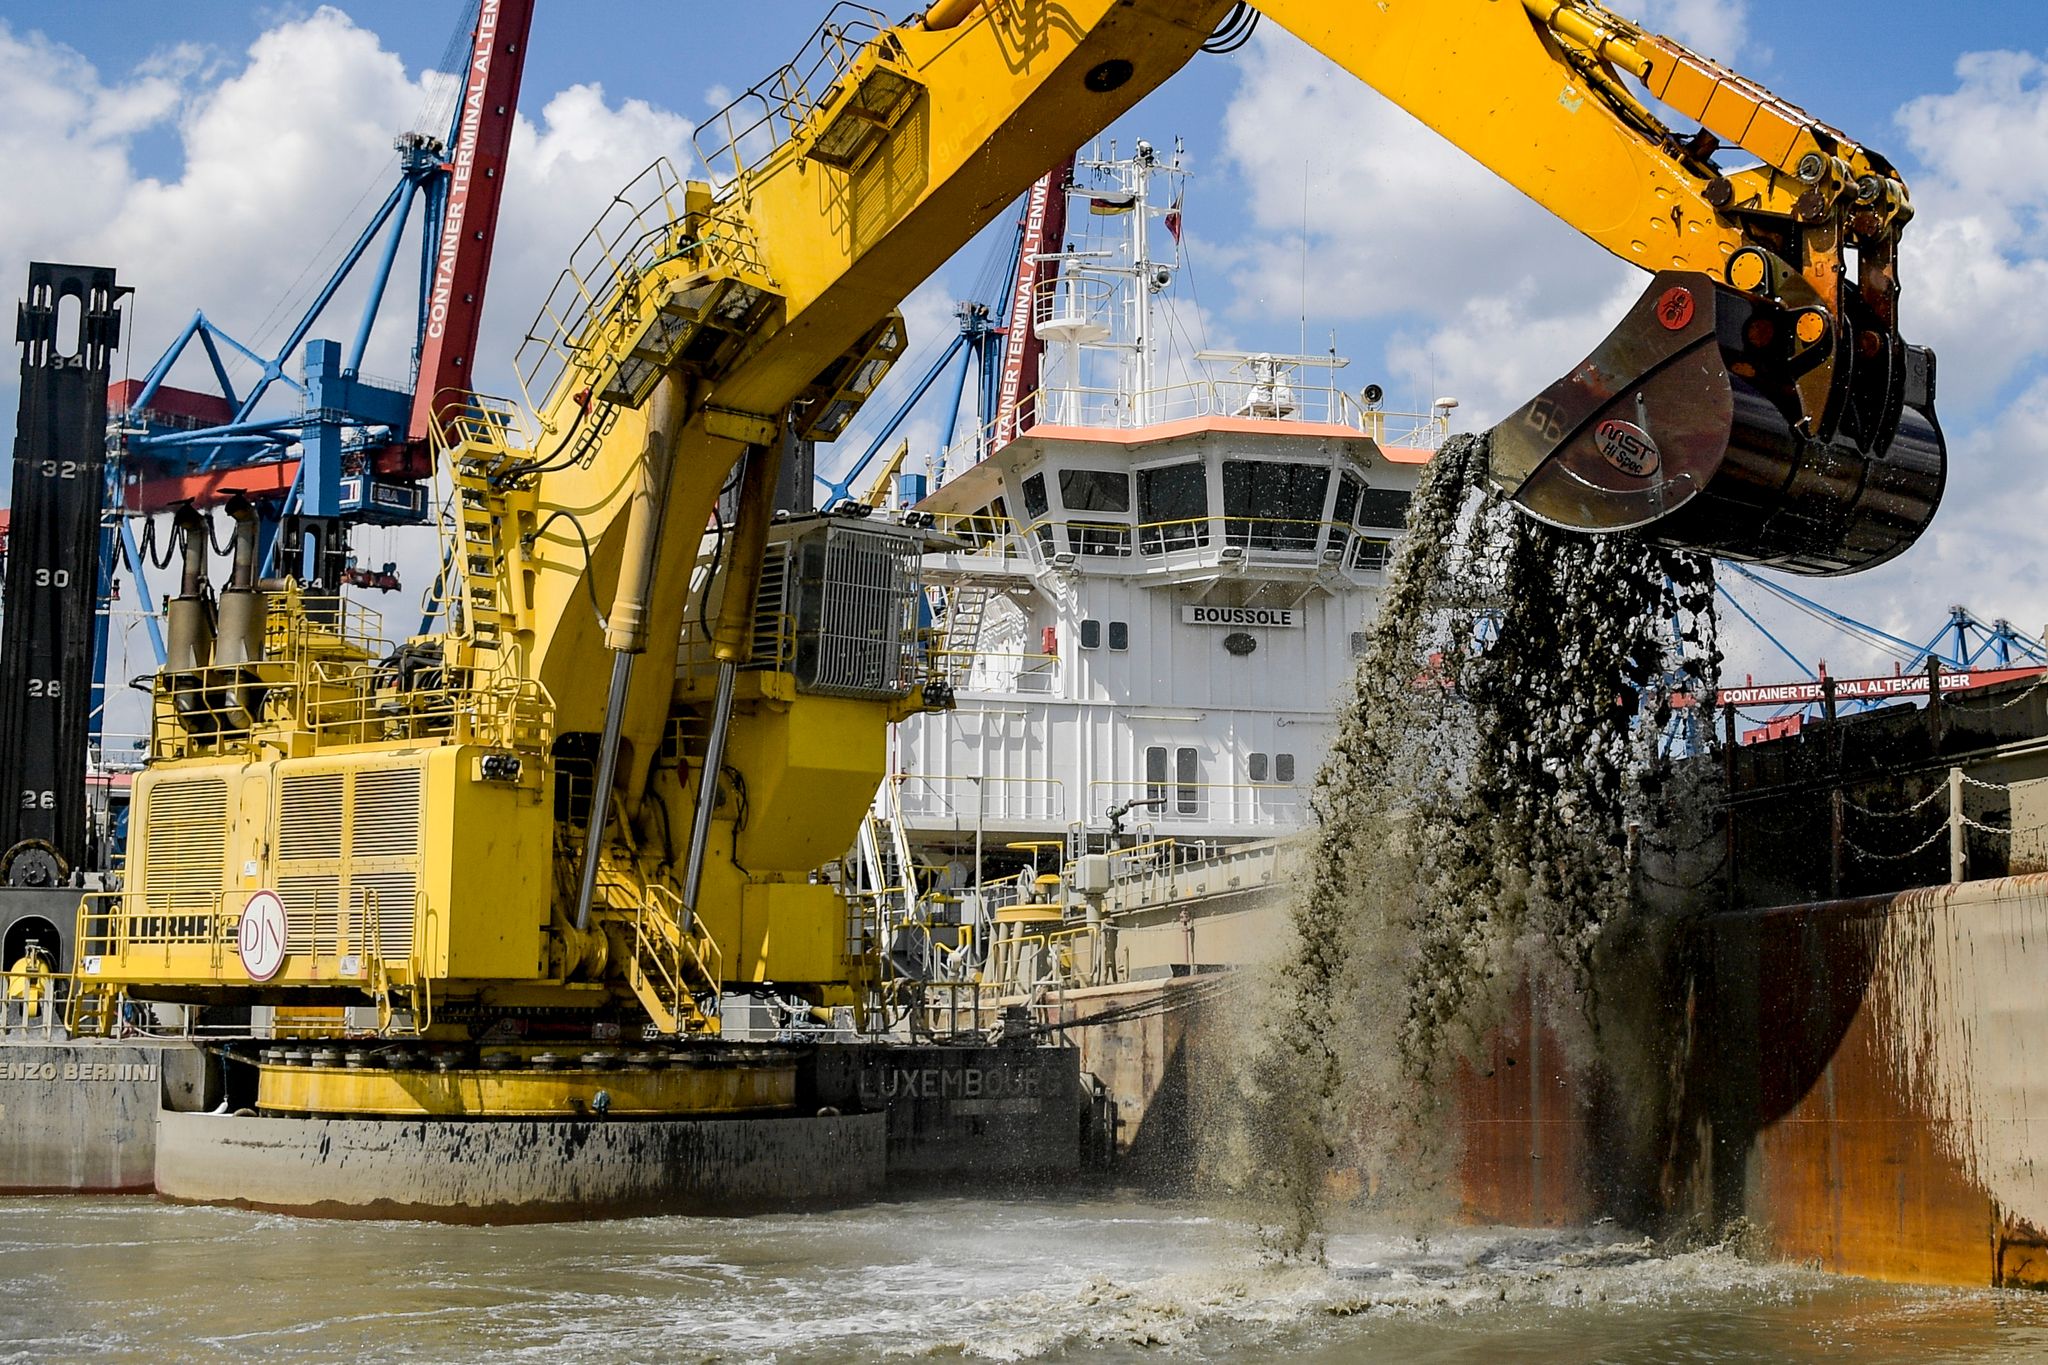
1745	424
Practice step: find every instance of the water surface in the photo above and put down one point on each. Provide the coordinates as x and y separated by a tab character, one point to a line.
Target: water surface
1107	1278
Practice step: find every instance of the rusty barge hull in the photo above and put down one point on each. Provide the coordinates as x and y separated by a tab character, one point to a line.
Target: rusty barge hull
1877	1101
1861	1082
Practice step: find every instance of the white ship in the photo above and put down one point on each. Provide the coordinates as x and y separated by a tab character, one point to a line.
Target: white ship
1165	559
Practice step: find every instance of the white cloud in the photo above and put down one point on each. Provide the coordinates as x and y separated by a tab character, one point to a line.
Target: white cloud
1977	254
285	154
286	150
1717	29
1477	292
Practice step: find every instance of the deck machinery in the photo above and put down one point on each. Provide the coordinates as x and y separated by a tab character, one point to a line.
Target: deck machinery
598	795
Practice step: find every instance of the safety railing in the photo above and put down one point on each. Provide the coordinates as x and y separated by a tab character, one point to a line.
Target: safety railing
341	702
984	670
1296	401
32	1002
483	422
687	965
1074	540
995	540
1267	804
628	235
117	751
642	228
1164	871
958	800
130	927
1065	958
749	129
125	925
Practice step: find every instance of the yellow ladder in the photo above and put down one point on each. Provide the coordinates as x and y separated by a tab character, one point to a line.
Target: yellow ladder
672	966
480	521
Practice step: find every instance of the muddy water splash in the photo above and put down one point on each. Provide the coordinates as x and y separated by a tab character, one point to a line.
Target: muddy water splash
1474	821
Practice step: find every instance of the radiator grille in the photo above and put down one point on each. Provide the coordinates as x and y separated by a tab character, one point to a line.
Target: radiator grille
309	812
185	826
393	895
312	901
345	840
387	814
856	596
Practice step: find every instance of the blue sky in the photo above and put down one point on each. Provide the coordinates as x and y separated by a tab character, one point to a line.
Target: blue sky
211	149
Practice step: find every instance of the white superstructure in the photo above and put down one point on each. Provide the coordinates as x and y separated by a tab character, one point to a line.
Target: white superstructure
1160	582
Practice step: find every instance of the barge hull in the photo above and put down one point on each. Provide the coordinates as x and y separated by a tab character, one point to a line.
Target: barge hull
507	1170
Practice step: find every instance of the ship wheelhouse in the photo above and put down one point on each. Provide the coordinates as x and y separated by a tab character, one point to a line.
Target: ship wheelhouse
1149	626
1155	568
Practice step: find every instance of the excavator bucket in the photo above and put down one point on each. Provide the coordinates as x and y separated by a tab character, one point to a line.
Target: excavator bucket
1689	424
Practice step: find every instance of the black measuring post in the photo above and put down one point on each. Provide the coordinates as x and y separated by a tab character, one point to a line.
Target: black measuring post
68	328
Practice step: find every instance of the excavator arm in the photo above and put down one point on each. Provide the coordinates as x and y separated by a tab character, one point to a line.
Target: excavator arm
1757	403
404	829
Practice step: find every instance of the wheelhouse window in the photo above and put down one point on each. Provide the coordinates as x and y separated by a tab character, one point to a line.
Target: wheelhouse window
1256	767
1095	490
1384	508
1187	774
1119	634
987	526
1173	507
1272	505
1283	767
1036	510
1344	511
1371	553
1091	634
1090	497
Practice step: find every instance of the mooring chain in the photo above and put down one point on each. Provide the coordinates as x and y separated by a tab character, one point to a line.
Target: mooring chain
2007	704
1902	813
1929	842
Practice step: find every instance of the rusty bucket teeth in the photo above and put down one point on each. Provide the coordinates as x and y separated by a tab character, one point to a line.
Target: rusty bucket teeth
1677	428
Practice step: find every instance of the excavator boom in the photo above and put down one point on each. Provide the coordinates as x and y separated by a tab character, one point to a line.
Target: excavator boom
610	781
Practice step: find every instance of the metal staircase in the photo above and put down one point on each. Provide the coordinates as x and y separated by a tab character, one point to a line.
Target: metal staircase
960	634
676	970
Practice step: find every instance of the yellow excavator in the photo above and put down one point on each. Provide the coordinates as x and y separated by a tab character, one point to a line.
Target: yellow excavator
598	797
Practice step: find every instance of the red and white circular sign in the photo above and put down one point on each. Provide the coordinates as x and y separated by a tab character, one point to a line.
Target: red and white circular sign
261	937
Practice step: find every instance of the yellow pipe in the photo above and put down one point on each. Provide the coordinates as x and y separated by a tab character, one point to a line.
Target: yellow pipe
947	14
733	638
626	625
1607	44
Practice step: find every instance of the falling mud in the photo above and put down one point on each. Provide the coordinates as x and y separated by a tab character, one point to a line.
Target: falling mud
1500	780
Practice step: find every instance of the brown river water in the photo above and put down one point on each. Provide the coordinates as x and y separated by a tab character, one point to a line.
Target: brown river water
1101	1278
